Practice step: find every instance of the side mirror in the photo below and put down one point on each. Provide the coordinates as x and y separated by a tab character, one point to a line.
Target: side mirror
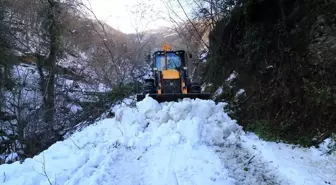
190	55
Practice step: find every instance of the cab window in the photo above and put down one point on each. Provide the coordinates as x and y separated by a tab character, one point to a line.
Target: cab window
160	62
173	61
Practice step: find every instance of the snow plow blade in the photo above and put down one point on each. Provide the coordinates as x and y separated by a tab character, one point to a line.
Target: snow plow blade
174	97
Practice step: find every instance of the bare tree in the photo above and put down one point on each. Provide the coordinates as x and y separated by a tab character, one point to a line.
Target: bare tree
30	108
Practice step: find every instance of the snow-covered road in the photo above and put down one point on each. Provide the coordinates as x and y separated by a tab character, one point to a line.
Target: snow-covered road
187	143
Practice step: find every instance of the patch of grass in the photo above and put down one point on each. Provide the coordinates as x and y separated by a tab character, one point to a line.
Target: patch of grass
268	132
264	130
304	141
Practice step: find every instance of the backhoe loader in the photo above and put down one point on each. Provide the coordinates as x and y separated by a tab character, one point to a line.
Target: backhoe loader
170	81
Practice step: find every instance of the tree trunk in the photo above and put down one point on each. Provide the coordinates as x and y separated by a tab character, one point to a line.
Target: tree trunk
54	33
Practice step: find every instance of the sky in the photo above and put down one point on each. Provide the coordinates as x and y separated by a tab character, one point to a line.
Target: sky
122	15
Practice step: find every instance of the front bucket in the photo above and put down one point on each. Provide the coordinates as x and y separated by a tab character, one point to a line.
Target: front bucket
174	97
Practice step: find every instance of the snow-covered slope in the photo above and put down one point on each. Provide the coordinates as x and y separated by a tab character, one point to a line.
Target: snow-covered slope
192	142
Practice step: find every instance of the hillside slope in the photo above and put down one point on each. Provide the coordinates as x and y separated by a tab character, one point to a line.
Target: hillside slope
283	56
188	142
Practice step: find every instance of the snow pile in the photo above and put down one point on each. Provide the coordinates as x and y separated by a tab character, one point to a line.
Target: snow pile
153	143
192	142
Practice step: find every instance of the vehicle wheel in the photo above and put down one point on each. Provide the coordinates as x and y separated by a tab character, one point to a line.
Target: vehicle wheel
149	86
194	88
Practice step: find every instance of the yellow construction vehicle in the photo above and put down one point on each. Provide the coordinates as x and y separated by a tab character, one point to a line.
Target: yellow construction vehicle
170	81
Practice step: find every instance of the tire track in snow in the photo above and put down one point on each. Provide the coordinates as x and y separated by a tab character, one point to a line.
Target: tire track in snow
248	169
171	169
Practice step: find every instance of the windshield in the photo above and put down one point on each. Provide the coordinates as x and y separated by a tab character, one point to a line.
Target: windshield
173	61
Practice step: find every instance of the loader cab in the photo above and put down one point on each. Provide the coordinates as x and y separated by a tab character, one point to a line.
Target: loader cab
169	71
169	60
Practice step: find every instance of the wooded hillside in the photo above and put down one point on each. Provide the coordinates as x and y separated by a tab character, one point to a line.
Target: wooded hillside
282	54
58	69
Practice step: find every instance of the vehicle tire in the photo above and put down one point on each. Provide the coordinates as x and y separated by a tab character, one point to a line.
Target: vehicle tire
194	88
148	87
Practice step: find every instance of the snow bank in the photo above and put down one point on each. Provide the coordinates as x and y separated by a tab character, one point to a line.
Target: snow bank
192	142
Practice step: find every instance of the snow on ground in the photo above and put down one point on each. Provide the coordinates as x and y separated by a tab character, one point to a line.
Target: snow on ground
192	142
308	166
240	92
218	92
232	76
26	94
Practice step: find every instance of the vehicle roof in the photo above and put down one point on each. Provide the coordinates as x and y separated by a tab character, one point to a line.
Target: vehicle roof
172	51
